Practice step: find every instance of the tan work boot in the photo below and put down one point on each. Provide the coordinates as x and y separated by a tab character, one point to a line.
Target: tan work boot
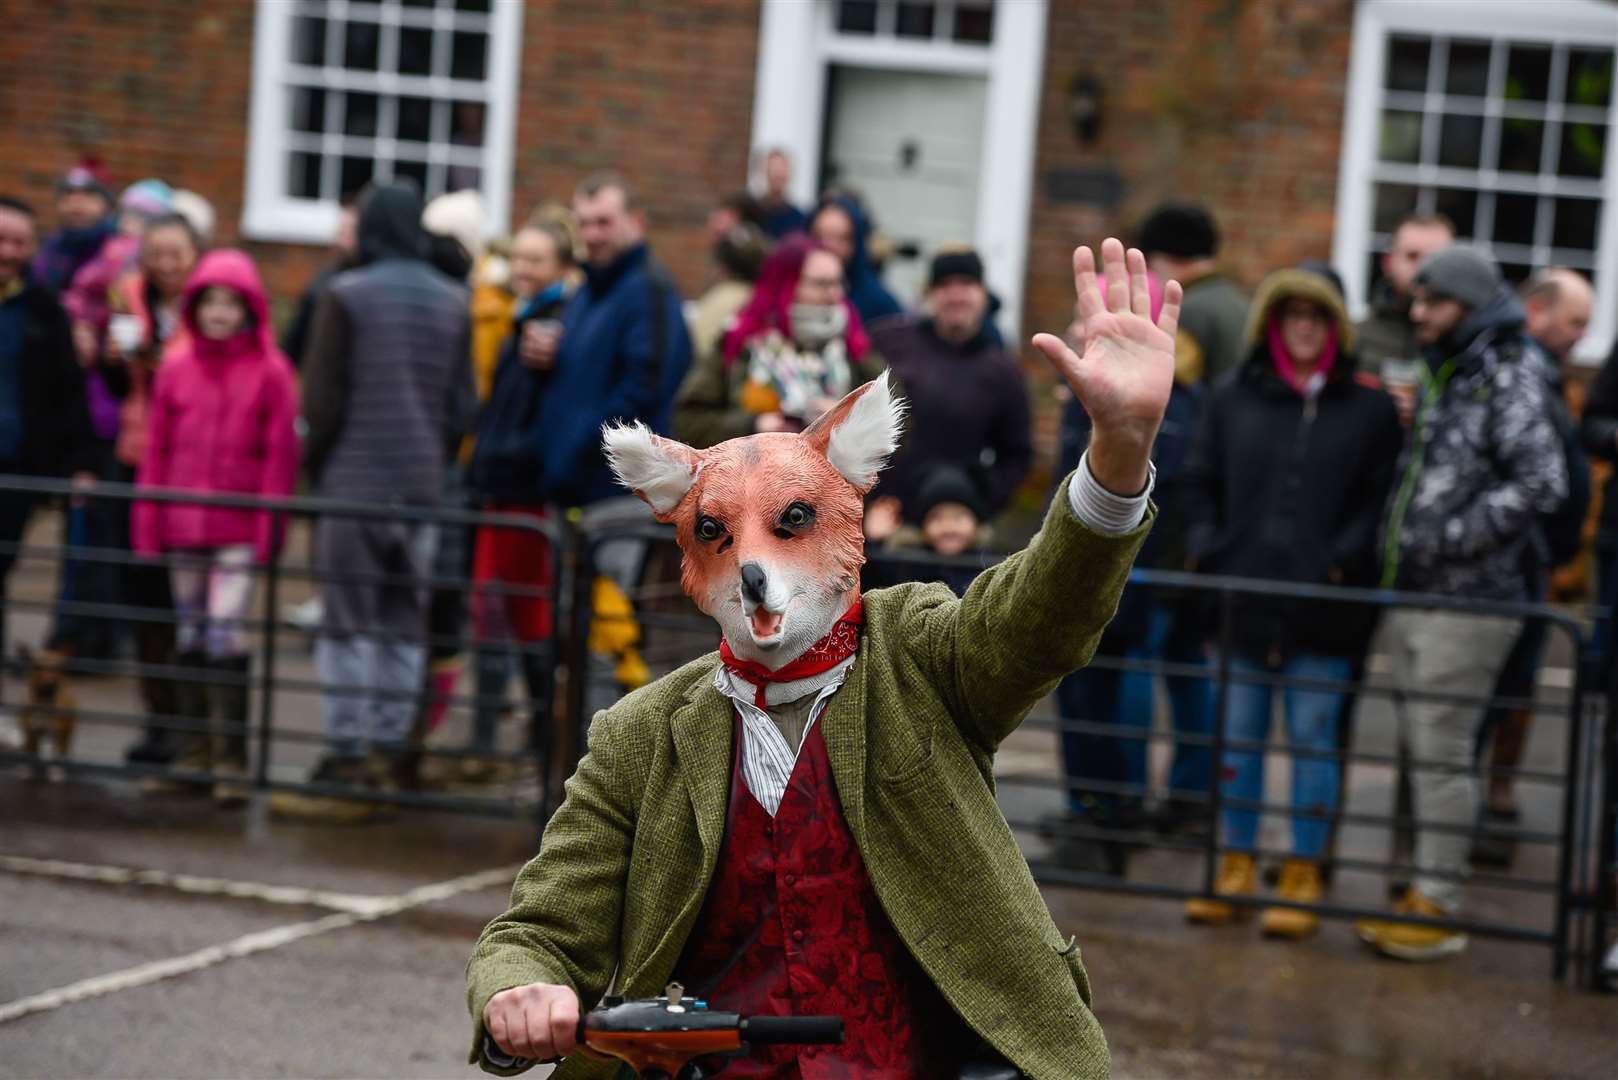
1406	941
1237	877
1300	884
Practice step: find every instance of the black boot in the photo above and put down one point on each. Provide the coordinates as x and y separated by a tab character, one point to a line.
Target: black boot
159	743
231	696
492	673
194	737
539	675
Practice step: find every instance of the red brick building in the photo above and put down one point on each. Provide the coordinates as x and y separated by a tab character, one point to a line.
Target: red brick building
1023	126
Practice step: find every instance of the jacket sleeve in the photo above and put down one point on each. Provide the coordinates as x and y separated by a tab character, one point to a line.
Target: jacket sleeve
1200	484
1012	442
1023	625
566	905
1600	426
1533	466
1353	551
146	518
280	475
69	407
325	381
461	398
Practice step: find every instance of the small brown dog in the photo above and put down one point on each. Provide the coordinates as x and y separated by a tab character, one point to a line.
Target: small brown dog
50	706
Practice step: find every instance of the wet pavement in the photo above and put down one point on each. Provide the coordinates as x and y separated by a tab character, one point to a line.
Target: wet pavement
235	972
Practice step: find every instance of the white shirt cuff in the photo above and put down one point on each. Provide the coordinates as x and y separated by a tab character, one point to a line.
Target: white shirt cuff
1099	509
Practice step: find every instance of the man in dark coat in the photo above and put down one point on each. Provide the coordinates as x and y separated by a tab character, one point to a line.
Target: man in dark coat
44	425
968	399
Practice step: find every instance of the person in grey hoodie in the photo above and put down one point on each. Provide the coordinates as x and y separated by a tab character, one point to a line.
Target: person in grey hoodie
387	383
1483	461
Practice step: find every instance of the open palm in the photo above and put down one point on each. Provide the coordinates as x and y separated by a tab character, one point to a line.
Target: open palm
1124	378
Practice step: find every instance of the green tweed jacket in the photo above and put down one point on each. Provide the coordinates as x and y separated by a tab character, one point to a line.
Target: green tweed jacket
624	865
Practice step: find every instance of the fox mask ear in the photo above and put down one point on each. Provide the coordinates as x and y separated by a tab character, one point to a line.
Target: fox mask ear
860	432
659	470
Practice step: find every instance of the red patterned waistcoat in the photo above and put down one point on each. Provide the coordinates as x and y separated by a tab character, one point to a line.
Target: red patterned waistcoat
792	925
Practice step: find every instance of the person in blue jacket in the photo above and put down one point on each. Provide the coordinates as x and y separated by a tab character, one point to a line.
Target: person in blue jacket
622	353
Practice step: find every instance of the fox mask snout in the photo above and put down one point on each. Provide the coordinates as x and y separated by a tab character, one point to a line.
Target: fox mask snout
769	525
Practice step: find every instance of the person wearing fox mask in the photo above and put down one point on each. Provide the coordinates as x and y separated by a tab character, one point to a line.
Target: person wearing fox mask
804	822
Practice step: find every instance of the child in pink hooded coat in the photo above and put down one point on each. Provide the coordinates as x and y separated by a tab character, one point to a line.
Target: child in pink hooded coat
222	420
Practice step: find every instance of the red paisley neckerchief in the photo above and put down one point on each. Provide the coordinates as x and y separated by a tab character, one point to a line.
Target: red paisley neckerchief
840	642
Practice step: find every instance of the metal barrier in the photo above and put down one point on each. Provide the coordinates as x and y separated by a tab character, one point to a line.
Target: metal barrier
620	617
380	568
1596	885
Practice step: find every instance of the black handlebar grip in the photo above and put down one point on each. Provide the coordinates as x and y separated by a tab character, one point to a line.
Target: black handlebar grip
804	1030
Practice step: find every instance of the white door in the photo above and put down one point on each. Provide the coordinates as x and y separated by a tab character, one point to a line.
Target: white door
911	144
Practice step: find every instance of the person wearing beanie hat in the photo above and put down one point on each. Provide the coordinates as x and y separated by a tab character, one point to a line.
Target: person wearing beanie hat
1181	242
1482	463
143	201
949	510
968	399
460	216
85	223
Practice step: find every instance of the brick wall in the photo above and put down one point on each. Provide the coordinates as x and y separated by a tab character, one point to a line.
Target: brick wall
1237	103
161	88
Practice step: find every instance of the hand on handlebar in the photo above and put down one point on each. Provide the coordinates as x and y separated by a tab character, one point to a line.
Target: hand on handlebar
538	1022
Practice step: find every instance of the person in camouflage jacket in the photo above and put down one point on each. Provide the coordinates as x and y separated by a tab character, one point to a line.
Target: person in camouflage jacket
1483	461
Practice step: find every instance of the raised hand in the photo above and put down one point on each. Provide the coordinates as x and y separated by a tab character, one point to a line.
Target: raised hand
1124	378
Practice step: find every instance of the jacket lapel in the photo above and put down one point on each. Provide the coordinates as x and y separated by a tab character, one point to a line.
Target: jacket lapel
702	730
843	729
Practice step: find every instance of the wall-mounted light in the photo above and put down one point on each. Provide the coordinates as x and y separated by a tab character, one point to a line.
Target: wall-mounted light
1084	101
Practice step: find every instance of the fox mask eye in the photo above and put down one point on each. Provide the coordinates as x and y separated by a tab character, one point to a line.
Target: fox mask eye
794	519
709	530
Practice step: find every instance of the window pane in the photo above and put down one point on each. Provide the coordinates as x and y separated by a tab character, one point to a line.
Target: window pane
1519	144
974	24
466	123
359	114
415	51
1407	63
1468	68
1514	218
360	44
462	176
415	119
308	109
419	3
1589	77
308	40
405	169
1460	141
1460	205
303	175
915	20
471	5
357	172
1528	73
1401	136
1575	223
857	16
468	56
1584	149
1393	201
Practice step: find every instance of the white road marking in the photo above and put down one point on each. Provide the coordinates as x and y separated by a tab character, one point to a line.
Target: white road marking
375	907
352	903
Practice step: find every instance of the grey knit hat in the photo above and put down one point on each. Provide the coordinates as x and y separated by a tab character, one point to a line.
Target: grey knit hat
1461	272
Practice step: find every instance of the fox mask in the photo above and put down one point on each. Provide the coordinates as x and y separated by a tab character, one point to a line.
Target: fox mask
770	526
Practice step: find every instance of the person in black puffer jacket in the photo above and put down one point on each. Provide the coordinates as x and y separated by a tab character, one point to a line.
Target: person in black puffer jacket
1286	480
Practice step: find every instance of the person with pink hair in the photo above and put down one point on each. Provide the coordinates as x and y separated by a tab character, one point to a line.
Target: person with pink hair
794	350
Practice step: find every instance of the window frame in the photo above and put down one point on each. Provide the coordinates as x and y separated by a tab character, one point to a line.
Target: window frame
1571	23
269	212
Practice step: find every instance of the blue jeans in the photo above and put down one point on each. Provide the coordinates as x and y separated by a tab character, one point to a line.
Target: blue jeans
1311	718
1126	699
